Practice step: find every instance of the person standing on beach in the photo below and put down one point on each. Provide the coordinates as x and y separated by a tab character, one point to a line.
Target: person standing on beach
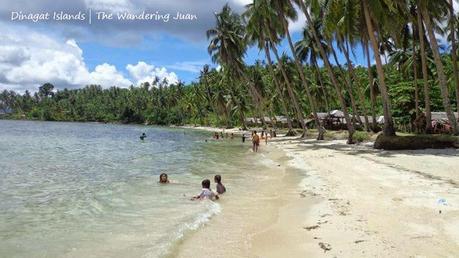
255	141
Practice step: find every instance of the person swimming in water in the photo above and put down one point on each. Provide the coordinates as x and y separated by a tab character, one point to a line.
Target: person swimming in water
220	187
143	136
206	193
163	179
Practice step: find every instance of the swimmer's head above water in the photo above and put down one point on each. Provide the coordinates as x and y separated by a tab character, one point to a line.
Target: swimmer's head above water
163	178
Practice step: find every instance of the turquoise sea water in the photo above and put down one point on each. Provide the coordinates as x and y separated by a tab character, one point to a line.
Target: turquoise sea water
90	190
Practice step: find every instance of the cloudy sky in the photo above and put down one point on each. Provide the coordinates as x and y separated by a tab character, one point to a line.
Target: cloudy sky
74	53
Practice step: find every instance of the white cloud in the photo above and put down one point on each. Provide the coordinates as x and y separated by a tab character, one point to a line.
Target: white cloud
107	75
299	24
143	72
243	2
188	66
29	59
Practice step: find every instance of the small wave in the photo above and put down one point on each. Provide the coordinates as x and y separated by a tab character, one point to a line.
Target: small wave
213	209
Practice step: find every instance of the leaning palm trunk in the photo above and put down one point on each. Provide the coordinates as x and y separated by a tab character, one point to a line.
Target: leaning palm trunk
352	78
258	100
299	113
454	52
440	71
425	75
389	129
334	81
279	89
348	83
312	104
322	85
256	96
371	84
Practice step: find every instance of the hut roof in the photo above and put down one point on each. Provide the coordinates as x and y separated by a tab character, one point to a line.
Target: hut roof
441	116
281	119
321	115
337	113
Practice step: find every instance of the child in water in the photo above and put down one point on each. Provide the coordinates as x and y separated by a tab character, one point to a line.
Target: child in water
163	179
206	193
220	187
143	136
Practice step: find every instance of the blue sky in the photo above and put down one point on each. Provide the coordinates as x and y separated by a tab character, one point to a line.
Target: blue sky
72	54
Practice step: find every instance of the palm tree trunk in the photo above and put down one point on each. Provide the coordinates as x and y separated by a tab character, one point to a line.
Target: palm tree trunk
322	85
352	78
389	129
256	96
425	75
370	85
334	81
415	74
348	85
299	67
257	99
279	89
440	71
299	113
454	52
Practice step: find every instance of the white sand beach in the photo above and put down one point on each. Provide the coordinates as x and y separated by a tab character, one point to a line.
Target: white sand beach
329	199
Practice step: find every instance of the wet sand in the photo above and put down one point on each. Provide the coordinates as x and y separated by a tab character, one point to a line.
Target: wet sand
329	199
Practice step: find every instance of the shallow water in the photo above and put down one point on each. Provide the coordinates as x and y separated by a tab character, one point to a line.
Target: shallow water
90	190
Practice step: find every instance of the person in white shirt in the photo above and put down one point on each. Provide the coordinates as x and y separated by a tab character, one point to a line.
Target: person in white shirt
206	193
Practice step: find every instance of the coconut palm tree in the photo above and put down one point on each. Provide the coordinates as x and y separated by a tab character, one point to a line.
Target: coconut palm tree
204	78
452	37
286	10
259	12
371	85
425	75
306	50
228	47
330	71
256	35
376	12
426	8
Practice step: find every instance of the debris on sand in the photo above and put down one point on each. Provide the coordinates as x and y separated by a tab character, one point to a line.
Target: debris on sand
326	247
311	227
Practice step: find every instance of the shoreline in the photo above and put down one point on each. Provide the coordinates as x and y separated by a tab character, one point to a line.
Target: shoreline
331	199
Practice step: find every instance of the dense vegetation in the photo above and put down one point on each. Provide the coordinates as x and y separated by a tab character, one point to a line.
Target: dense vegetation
420	74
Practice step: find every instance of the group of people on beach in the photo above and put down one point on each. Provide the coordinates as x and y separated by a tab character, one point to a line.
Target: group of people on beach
206	192
220	135
255	137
